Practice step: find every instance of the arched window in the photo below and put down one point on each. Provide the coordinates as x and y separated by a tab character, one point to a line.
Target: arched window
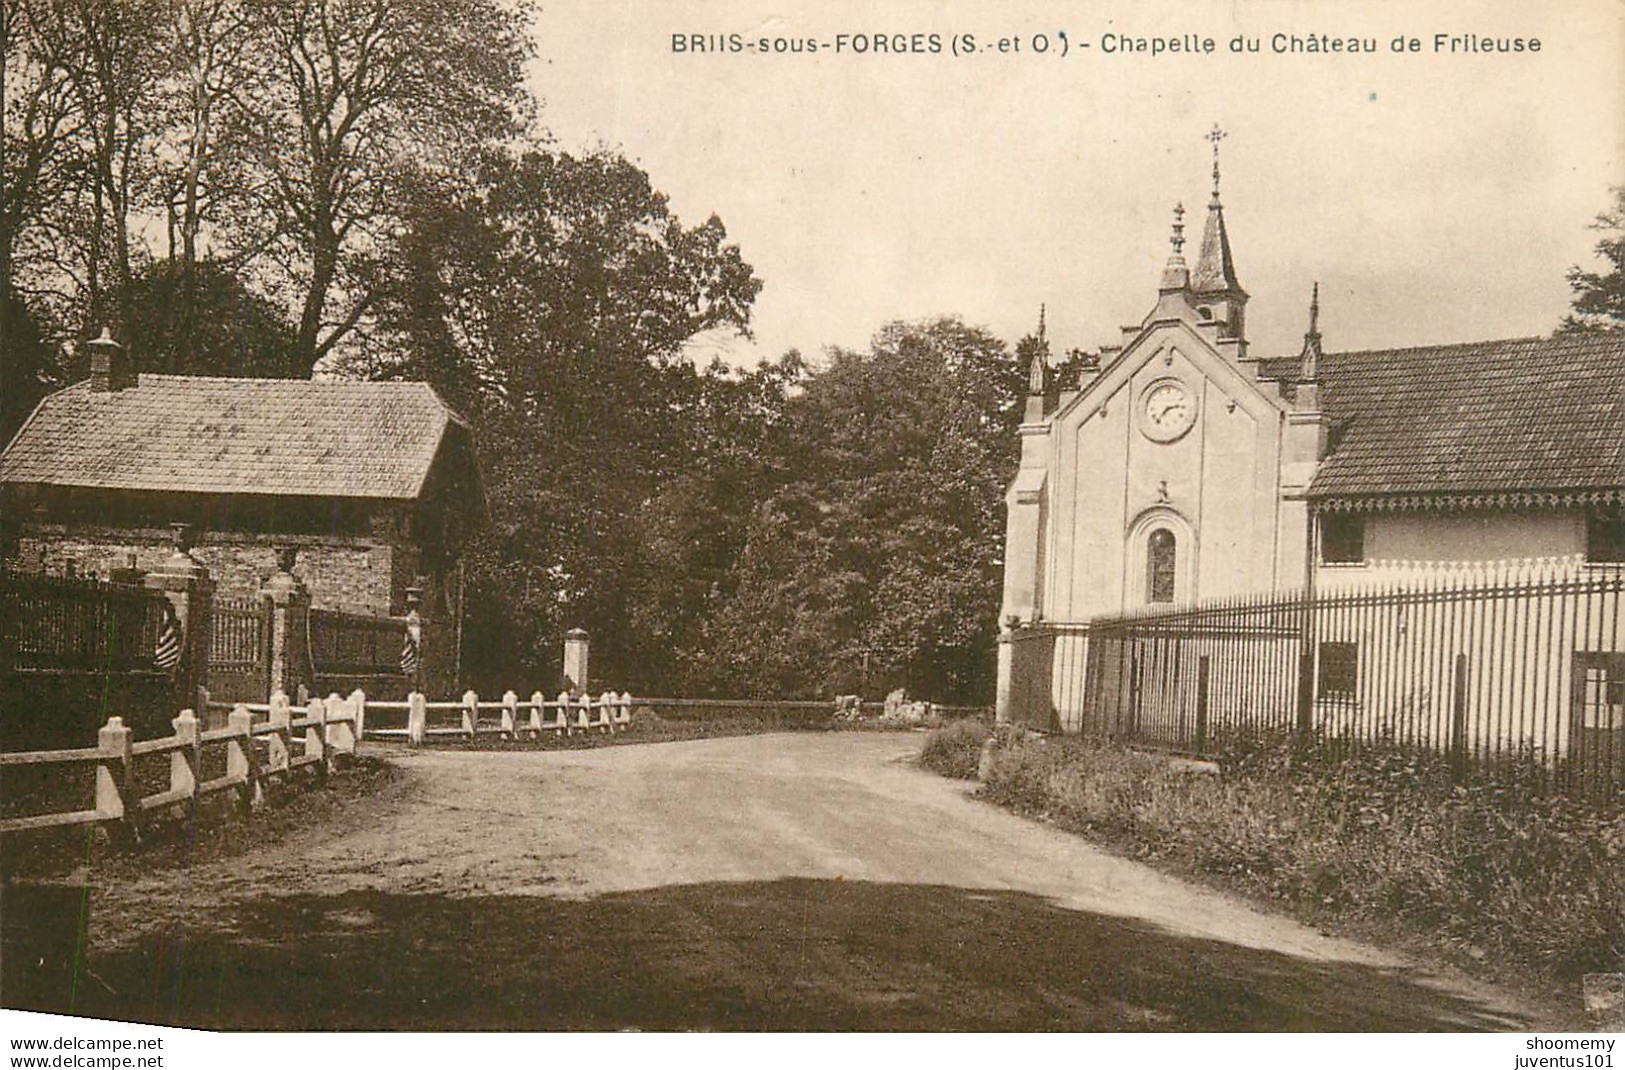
1159	566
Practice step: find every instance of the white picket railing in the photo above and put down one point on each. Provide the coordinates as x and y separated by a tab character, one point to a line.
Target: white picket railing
325	731
515	718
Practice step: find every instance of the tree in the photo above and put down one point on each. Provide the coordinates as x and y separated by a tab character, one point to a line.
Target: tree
876	562
548	297
361	87
1599	296
41	123
28	368
201	319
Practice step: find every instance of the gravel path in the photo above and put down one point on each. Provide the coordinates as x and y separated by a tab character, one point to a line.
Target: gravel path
806	881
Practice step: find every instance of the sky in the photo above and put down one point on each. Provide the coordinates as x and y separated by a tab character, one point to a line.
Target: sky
1436	196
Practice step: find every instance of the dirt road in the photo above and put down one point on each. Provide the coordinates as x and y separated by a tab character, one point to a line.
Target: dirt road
810	881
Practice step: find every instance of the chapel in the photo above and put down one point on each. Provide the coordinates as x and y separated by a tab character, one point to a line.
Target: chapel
1182	467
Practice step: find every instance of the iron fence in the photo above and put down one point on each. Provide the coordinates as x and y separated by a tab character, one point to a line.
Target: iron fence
240	635
69	624
352	644
1487	673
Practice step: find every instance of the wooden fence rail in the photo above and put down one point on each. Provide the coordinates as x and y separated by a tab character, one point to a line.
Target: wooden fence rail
257	753
417	719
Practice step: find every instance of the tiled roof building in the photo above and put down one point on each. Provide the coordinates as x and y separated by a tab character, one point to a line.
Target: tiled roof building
1488	424
375	483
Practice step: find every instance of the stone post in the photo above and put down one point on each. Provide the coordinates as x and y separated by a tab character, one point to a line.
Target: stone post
290	667
358	706
414	631
240	757
183	763
277	743
576	642
1001	702
186	583
537	706
510	714
417	717
113	775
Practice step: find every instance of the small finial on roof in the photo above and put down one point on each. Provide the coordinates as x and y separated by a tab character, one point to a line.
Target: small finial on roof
1041	310
1215	136
1175	276
1309	359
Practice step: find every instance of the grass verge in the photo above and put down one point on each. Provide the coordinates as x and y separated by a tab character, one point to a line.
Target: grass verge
1380	839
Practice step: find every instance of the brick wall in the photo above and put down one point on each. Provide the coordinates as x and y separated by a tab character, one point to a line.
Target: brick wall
355	574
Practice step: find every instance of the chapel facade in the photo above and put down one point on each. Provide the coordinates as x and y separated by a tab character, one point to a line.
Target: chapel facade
1183	468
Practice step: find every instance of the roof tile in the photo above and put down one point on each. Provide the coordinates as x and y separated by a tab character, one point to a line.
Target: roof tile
1520	415
214	435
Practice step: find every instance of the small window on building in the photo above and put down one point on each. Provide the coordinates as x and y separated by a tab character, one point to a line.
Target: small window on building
1605	535
1339	671
1205	313
1159	566
1342	539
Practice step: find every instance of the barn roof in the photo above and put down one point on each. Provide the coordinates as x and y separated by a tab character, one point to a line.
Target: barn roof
195	434
1479	418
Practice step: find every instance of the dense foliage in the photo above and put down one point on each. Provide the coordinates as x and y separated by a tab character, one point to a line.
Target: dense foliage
361	188
1599	296
874	563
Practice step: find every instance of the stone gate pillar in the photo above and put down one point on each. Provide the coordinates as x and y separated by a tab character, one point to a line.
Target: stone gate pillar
190	590
289	657
1002	698
576	643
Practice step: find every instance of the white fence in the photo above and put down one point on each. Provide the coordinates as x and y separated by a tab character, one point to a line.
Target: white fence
257	754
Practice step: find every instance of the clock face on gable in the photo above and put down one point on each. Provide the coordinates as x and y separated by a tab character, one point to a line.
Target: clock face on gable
1167	410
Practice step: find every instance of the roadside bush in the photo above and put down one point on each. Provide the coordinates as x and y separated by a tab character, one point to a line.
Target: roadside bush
956	750
1379	835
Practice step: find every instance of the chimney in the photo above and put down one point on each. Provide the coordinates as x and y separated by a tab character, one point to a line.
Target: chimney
110	366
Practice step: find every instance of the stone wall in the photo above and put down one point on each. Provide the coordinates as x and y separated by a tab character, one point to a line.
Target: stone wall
353	574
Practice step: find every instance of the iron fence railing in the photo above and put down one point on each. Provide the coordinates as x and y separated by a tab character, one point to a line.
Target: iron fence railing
1529	671
352	644
83	625
240	636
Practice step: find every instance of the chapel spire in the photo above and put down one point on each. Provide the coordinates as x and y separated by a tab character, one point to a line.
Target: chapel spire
1215	271
1213	282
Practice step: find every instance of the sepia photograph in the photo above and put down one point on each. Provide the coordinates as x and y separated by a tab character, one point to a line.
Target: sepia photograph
723	517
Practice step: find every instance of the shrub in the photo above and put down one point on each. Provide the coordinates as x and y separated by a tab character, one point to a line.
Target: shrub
956	750
1380	833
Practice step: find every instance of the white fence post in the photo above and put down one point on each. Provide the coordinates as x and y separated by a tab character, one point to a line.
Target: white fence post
625	711
471	713
183	763
510	713
333	729
240	755
564	711
606	711
537	704
417	717
316	734
358	706
113	770
277	743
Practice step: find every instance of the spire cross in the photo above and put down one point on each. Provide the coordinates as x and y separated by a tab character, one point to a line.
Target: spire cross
1216	135
1314	310
1178	240
1041	310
